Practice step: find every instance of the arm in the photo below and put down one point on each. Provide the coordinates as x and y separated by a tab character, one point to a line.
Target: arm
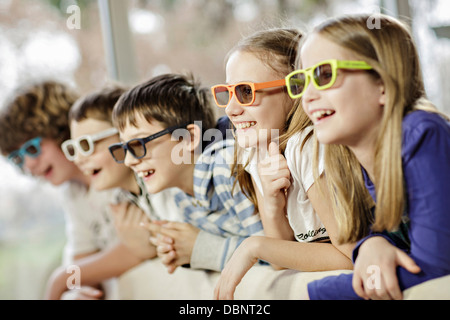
180	243
320	201
289	254
426	155
127	221
93	269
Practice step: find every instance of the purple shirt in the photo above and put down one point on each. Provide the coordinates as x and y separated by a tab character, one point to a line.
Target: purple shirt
426	170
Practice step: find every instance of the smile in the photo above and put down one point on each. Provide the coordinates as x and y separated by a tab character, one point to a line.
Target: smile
245	125
145	174
321	114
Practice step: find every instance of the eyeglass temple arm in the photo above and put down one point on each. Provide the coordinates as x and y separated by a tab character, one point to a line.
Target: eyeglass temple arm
270	84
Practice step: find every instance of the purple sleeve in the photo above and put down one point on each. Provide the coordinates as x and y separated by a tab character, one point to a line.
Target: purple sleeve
426	168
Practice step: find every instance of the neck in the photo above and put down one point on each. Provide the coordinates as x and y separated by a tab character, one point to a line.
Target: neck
366	157
186	180
130	184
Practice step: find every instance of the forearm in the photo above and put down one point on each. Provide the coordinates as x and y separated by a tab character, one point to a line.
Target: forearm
211	252
274	220
93	269
299	256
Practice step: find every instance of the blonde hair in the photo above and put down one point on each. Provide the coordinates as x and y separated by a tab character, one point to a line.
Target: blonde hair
391	51
277	48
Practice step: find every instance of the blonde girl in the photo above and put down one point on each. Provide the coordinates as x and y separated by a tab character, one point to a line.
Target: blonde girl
259	107
363	89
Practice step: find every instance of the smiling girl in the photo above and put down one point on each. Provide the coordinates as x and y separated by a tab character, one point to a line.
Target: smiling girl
364	91
258	105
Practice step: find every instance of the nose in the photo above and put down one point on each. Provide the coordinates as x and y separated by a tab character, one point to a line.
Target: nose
130	160
30	164
233	108
310	94
80	159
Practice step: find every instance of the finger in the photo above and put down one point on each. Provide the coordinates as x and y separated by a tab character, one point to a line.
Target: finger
273	149
150	226
358	286
168	232
160	222
91	292
119	210
164	248
171	268
407	262
392	286
175	225
281	184
168	258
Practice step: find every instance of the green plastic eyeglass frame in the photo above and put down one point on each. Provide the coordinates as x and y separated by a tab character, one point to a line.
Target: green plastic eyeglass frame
297	81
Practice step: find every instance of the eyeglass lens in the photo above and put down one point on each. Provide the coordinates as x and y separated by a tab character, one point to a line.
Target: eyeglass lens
244	94
322	76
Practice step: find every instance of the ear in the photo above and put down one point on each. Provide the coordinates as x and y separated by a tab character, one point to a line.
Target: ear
381	88
195	137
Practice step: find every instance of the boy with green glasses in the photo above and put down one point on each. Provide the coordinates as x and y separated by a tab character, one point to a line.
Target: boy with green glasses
218	219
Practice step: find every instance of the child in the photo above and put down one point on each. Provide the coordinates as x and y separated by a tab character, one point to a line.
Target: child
263	59
92	132
32	127
218	220
364	92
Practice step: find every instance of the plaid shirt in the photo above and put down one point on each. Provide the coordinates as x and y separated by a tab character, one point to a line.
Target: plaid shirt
224	218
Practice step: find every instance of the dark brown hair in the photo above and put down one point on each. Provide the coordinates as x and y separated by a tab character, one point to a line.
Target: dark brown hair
171	99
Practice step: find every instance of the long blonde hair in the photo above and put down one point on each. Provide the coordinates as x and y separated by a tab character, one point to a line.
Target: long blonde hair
277	48
391	51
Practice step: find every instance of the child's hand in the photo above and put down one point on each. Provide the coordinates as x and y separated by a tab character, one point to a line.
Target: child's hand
174	242
375	274
127	221
240	262
275	178
84	293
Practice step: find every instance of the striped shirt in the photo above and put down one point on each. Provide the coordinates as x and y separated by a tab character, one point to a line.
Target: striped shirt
225	218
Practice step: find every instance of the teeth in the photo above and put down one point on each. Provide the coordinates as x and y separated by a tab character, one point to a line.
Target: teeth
88	172
322	113
244	125
144	174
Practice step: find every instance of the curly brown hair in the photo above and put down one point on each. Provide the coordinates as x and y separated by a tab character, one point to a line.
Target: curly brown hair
38	110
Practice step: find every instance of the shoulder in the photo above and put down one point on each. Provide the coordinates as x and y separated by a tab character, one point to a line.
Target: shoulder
421	129
213	167
419	120
295	142
299	153
218	153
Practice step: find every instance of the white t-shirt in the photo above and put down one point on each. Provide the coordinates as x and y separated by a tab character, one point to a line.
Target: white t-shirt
302	218
89	222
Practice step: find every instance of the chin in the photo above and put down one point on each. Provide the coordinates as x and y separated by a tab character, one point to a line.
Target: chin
152	189
246	142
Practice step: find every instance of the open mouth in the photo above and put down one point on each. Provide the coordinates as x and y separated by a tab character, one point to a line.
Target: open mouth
146	174
245	125
48	171
322	114
93	172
